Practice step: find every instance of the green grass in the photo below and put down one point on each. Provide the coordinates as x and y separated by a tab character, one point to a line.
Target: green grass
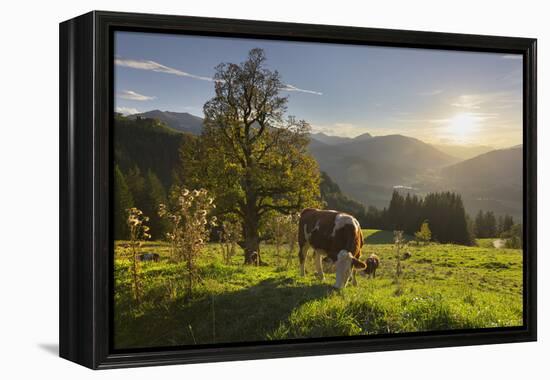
442	287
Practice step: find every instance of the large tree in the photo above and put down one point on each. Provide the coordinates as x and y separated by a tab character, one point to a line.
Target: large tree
251	156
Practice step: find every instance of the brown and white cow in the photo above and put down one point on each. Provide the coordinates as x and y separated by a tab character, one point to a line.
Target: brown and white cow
336	235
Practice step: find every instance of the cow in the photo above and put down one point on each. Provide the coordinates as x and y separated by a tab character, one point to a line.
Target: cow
372	264
336	235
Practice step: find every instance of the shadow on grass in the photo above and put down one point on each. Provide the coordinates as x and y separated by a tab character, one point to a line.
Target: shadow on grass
244	315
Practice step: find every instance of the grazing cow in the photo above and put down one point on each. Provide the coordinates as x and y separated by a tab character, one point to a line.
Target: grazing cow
372	264
336	235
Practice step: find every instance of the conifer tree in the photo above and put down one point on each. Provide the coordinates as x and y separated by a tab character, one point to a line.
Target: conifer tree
122	202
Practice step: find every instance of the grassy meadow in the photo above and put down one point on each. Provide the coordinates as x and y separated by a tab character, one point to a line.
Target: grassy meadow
442	287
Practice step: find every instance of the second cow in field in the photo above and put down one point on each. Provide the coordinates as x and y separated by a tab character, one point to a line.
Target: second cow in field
336	235
373	261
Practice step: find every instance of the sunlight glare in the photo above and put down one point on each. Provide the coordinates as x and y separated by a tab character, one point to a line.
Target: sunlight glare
462	126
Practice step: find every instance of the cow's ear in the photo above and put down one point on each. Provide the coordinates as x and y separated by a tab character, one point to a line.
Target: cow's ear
358	264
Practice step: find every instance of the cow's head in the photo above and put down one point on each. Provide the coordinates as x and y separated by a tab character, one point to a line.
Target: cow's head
344	265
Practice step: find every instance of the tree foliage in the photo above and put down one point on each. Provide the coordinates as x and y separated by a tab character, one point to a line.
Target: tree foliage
424	235
485	225
505	224
251	157
443	211
147	144
122	201
514	237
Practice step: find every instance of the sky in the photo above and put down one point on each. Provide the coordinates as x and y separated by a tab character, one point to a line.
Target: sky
438	96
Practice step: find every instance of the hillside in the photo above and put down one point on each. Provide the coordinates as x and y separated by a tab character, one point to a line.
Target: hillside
179	121
334	199
134	137
367	182
329	140
492	170
491	181
369	169
464	152
403	151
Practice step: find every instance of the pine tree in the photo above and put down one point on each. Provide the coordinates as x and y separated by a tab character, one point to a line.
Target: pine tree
479	225
396	211
506	222
122	202
136	185
490	224
153	197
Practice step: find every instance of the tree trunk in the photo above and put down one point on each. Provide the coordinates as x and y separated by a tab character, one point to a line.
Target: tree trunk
251	240
251	220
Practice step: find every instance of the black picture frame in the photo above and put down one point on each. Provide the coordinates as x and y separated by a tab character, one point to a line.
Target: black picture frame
86	109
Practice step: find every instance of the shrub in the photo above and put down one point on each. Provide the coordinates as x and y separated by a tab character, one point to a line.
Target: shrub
138	232
229	234
424	235
189	219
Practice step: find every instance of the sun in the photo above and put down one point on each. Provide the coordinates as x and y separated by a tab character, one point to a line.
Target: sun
462	127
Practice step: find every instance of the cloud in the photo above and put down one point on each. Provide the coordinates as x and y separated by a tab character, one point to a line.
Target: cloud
473	116
291	88
156	67
471	102
512	56
491	99
339	129
127	110
132	95
160	68
430	93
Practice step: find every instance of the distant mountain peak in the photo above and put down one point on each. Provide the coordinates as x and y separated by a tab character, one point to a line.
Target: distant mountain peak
178	121
363	136
328	139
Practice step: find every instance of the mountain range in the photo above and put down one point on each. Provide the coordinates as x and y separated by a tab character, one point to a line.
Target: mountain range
368	168
179	121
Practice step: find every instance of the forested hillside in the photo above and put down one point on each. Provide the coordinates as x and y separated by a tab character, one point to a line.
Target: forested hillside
147	144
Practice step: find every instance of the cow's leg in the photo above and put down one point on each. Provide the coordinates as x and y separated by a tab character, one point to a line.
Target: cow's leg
302	253
319	265
353	278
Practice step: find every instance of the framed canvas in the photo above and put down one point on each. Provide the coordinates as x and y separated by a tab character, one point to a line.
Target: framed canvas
235	189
